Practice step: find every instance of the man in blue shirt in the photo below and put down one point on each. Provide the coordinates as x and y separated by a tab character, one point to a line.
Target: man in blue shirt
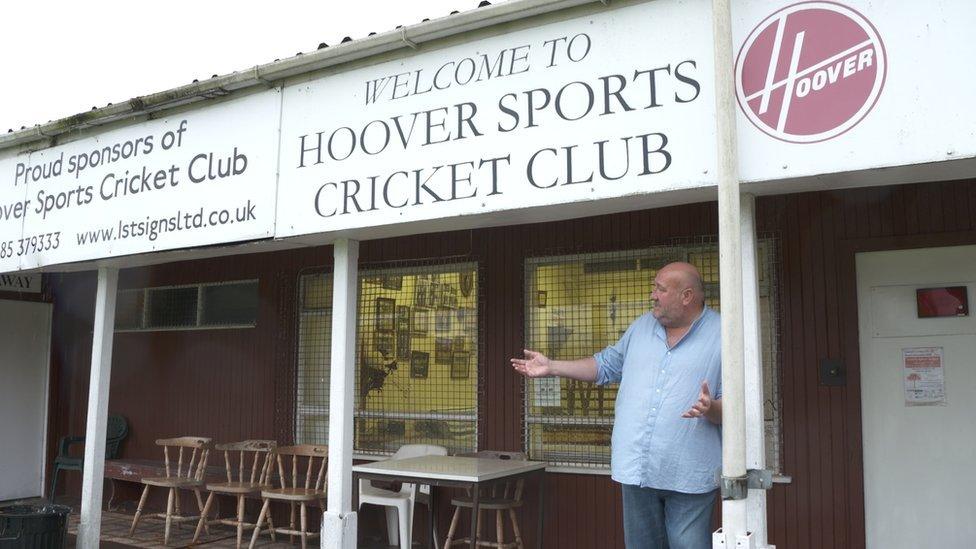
667	444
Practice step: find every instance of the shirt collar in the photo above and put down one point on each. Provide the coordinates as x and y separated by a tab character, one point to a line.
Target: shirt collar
660	332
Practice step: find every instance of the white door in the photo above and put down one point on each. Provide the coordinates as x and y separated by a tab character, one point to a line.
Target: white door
919	477
25	343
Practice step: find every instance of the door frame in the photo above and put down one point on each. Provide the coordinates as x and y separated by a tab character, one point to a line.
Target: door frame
851	348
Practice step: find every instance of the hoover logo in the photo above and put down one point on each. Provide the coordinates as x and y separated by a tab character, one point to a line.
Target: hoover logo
810	72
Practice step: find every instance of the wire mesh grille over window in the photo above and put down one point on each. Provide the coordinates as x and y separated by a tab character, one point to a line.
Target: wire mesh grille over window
576	305
417	353
230	304
314	358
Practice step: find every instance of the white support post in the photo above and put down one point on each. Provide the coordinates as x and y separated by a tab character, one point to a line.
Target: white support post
339	521
90	526
752	341
730	272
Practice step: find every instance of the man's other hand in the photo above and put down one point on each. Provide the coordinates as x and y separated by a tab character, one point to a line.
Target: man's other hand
704	403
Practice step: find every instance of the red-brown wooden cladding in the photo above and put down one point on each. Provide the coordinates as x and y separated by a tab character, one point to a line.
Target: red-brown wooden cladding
237	383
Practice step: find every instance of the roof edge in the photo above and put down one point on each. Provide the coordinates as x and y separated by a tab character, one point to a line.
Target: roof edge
268	74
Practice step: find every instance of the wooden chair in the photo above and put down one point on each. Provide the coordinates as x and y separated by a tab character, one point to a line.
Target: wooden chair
248	481
503	498
302	493
190	478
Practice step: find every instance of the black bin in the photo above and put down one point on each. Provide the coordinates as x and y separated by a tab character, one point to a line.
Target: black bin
36	526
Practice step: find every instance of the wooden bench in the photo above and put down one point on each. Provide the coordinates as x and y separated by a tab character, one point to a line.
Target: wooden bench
134	470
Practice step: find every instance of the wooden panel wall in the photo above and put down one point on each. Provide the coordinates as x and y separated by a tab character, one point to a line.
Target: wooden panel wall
233	384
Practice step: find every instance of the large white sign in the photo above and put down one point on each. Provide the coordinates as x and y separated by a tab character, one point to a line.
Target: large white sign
202	177
613	104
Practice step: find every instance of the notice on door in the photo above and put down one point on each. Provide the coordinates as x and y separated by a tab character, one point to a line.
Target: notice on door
923	376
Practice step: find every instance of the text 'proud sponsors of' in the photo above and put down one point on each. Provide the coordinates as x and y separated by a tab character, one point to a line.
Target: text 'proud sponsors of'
613	104
113	185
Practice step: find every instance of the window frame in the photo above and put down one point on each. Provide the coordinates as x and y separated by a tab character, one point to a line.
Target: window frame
678	250
301	412
199	286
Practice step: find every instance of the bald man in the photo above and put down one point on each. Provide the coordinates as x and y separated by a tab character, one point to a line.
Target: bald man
666	446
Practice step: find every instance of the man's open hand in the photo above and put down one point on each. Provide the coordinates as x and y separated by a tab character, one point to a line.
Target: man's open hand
533	365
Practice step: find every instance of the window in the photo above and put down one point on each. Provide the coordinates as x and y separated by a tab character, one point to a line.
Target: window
194	306
314	358
417	354
576	305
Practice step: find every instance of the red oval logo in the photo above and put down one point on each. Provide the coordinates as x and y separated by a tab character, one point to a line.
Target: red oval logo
810	72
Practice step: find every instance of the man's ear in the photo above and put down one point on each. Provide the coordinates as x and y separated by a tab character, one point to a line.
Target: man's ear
687	296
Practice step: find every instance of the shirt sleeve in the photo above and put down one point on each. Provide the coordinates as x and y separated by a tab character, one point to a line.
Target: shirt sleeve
610	361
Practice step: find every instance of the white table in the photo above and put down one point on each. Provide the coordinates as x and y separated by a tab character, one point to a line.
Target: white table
453	471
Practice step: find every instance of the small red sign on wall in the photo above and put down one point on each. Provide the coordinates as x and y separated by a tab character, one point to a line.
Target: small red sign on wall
940	302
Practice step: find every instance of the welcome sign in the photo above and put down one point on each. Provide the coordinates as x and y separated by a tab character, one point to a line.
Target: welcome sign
613	104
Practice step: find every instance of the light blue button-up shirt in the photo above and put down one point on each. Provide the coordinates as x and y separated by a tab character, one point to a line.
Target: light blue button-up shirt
652	445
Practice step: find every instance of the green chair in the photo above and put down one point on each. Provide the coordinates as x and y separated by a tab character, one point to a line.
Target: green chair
115	432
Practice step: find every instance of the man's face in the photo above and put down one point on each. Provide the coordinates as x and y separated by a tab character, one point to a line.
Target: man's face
667	297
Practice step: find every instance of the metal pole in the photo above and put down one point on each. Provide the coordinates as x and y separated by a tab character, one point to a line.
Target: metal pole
90	526
730	269
752	351
339	521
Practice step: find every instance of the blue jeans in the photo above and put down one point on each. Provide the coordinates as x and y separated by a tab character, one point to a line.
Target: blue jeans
662	519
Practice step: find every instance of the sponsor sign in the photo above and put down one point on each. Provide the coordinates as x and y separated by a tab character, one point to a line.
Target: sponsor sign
833	87
809	72
196	178
613	104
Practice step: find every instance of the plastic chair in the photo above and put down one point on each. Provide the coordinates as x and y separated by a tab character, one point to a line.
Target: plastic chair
115	431
399	505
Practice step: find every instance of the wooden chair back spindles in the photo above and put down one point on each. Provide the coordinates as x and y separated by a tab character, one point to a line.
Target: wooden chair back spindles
184	471
199	452
313	477
301	475
503	498
250	461
247	466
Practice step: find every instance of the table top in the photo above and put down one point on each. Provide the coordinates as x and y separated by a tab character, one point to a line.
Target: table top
455	468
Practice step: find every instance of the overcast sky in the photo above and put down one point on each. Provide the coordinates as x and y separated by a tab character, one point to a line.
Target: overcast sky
63	57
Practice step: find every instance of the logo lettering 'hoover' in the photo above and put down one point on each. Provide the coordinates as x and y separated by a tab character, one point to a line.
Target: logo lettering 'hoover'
810	72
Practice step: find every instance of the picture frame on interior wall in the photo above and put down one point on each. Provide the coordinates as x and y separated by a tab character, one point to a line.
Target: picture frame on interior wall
403	344
449	296
385	314
421	290
466	283
442	320
443	347
392	282
460	365
419	364
383	343
419	321
403	318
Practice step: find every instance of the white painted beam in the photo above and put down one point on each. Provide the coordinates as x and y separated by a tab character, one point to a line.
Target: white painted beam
339	521
730	272
752	352
89	529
